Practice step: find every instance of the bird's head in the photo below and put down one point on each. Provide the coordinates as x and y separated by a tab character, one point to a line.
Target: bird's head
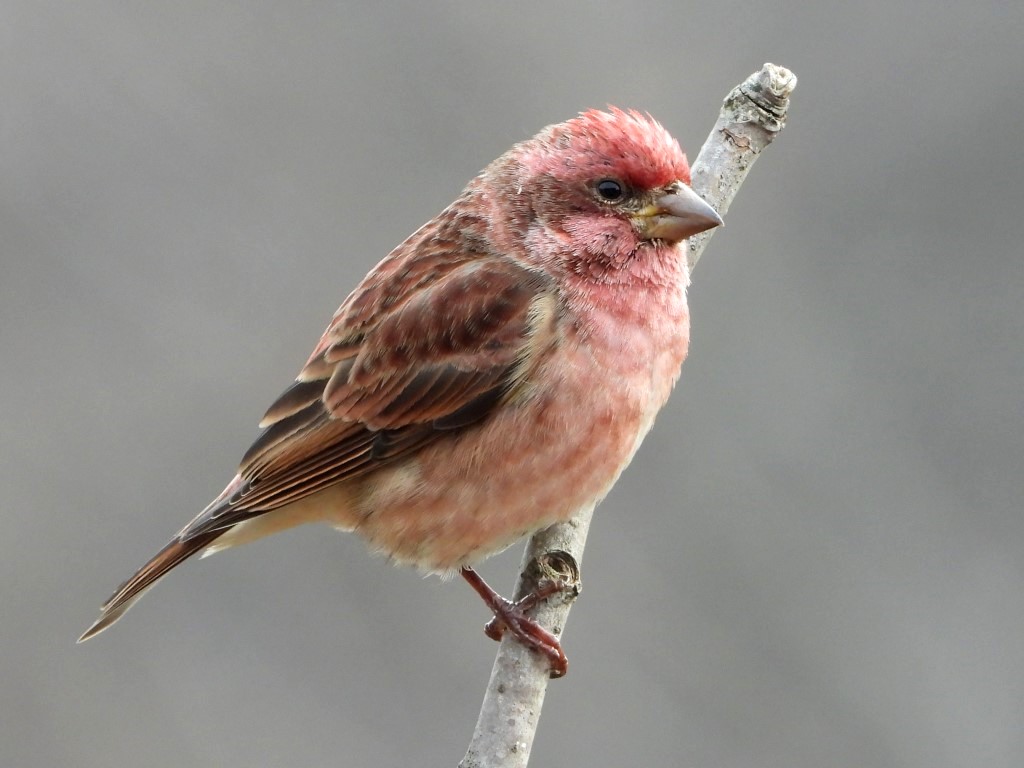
609	187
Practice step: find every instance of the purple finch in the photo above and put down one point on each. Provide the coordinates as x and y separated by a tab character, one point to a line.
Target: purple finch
493	375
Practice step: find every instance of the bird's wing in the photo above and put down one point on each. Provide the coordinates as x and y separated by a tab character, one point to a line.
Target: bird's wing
421	348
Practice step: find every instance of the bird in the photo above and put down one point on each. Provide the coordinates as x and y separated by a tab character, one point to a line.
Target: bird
493	375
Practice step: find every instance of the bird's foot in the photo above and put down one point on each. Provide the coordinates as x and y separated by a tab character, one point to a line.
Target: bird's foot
511	616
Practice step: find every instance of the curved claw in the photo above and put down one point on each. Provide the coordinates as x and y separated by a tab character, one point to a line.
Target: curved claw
509	616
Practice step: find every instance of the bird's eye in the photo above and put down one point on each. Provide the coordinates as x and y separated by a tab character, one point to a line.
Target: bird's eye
610	190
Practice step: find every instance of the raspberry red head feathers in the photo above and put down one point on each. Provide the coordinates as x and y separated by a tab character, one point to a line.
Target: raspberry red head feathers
629	143
595	192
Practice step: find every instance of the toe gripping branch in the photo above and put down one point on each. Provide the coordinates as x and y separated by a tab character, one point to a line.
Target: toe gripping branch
552	574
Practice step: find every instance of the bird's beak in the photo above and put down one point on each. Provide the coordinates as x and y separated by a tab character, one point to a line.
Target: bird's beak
676	215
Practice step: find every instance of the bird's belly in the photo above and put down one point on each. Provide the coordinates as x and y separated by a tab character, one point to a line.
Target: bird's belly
526	467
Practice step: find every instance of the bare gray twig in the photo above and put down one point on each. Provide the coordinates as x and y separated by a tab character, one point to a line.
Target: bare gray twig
751	117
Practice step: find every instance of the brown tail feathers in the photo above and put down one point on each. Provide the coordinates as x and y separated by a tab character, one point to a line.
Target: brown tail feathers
173	554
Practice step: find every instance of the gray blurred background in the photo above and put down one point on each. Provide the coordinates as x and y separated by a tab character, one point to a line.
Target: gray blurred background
817	558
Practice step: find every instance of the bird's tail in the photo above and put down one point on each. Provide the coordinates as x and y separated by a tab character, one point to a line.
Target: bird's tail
173	554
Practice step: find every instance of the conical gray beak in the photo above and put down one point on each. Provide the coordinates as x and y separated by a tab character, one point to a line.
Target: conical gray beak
676	215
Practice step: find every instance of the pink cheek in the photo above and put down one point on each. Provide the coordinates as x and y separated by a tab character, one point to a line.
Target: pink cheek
612	246
600	234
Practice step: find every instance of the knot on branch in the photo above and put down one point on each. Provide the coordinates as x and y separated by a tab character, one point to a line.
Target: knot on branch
555	569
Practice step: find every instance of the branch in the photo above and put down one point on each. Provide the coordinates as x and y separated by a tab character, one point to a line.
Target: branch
752	115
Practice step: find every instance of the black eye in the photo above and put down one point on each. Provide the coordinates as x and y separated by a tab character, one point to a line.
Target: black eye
610	190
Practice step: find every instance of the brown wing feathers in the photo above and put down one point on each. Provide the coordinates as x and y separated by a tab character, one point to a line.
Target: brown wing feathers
436	361
379	385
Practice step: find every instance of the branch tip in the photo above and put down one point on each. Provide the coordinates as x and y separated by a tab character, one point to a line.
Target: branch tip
751	116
